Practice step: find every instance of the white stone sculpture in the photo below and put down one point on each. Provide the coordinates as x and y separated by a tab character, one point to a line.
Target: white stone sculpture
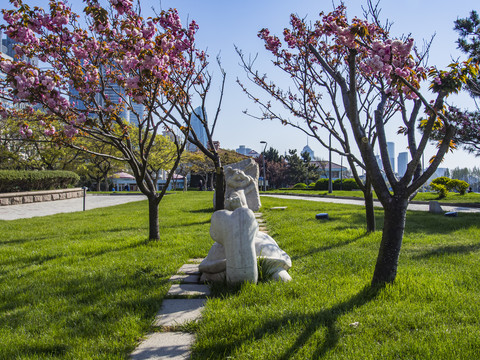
235	231
243	176
434	207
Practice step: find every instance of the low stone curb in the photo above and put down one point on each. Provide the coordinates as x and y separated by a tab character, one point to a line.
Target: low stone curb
29	197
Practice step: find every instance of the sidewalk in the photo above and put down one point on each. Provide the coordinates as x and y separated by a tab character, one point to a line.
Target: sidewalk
360	202
24	211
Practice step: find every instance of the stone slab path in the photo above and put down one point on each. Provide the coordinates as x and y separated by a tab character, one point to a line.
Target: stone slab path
183	303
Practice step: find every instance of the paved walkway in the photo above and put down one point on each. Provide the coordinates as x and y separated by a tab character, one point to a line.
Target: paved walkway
416	207
23	211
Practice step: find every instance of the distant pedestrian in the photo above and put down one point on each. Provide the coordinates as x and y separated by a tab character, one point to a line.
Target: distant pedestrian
470	189
127	188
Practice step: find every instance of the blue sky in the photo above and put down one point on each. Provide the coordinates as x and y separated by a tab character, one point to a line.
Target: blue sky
225	23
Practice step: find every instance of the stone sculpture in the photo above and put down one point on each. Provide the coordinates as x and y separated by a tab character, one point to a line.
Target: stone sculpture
238	243
235	231
243	176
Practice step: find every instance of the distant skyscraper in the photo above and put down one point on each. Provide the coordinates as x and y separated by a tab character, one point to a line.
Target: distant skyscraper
310	152
196	123
379	161
8	47
391	154
402	163
243	150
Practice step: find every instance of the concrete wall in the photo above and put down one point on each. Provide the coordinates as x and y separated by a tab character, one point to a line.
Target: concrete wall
39	196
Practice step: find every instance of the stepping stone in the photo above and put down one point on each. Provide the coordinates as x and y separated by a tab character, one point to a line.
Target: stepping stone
179	311
189	269
257	215
189	290
195	260
261	221
278	208
164	345
186	278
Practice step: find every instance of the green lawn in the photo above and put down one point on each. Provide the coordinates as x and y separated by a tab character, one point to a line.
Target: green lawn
329	310
88	285
427	196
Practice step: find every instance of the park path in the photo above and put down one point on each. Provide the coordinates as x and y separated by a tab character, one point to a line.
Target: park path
25	211
360	202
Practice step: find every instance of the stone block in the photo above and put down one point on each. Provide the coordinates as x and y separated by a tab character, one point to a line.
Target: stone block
63	196
186	279
4	201
434	207
55	197
189	269
27	199
179	311
16	200
47	197
37	198
164	345
188	290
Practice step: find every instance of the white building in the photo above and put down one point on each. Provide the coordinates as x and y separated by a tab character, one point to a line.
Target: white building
402	163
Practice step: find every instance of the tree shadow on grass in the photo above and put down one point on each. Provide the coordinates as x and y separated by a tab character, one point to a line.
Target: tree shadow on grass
448	250
312	323
327	247
202	211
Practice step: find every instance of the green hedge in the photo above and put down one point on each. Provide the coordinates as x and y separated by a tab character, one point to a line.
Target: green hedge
346	184
15	180
300	186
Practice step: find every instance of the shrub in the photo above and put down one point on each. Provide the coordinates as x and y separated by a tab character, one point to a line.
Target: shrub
440	189
321	184
311	186
346	184
15	180
459	185
441	182
300	186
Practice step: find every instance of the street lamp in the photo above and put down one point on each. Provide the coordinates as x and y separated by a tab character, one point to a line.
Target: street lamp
264	173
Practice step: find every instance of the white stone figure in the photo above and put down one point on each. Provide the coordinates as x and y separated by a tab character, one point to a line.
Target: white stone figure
236	231
243	176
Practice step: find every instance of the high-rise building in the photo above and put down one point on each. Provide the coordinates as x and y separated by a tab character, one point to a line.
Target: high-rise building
379	162
308	150
242	149
197	124
391	154
402	163
8	47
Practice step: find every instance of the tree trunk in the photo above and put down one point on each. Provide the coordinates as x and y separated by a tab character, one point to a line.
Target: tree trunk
393	228
154	230
220	189
369	210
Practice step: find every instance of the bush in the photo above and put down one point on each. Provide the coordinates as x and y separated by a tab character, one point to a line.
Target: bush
459	185
442	185
300	186
440	189
311	186
346	184
321	184
15	180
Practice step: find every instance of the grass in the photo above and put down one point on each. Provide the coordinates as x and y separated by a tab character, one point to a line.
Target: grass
88	285
426	196
329	310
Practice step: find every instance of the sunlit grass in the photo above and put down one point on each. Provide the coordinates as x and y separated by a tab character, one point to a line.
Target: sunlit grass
87	285
329	309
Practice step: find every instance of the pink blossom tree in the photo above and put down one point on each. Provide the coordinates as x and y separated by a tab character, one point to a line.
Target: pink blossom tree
98	73
349	79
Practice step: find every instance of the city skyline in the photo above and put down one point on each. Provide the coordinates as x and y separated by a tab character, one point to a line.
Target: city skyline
225	24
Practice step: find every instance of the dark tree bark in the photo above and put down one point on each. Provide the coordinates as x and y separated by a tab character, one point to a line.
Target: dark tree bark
154	228
369	210
393	229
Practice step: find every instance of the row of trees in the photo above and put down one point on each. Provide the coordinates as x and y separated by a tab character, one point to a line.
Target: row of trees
350	78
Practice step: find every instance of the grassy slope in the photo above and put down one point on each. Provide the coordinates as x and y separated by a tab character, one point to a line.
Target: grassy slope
431	312
87	285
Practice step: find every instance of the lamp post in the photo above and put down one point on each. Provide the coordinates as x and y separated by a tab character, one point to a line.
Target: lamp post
263	160
330	164
341	172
